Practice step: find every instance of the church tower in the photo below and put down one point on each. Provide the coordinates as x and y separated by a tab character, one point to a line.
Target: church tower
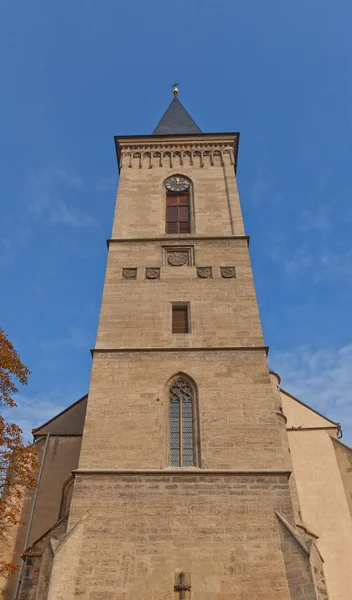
184	487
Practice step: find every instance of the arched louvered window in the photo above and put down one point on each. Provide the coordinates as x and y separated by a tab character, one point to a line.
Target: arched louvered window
182	424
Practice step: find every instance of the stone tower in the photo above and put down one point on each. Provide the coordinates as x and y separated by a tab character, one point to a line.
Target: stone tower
183	489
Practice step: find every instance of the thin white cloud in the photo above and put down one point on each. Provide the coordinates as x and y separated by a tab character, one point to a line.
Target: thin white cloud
6	242
335	265
76	338
324	178
47	203
105	183
321	378
293	263
48	176
300	259
320	221
32	411
263	191
323	264
59	212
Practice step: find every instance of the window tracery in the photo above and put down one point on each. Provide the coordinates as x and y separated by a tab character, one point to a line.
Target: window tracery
182	439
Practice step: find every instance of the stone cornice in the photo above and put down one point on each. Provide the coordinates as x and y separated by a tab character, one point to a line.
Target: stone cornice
230	136
192	471
182	349
165	146
177	238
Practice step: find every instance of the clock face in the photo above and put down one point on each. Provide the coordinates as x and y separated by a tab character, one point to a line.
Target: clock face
177	184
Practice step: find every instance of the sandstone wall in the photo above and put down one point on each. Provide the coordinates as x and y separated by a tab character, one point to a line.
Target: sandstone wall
142	529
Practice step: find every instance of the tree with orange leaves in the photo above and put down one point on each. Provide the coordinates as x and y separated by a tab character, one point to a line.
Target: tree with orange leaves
17	461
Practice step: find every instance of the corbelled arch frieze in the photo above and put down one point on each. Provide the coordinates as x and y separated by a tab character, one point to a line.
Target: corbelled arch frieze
176	155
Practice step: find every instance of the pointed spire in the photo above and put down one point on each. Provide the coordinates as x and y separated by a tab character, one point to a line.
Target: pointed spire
176	119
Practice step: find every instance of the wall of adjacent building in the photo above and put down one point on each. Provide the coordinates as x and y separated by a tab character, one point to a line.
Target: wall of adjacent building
344	461
324	486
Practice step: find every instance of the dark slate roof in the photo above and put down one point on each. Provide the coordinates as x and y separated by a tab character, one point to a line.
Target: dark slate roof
68	422
176	120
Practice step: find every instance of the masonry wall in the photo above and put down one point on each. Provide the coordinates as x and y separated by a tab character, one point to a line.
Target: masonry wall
224	311
34	582
127	415
140	208
297	566
142	529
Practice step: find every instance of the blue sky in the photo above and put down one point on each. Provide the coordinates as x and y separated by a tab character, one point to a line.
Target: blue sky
74	74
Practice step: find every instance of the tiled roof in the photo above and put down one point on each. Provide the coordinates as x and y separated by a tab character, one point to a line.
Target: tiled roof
176	120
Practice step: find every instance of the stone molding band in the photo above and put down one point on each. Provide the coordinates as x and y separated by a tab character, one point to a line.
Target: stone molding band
182	349
298	429
170	238
181	471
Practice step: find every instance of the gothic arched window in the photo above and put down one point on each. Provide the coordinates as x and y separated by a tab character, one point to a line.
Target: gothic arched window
178	204
182	424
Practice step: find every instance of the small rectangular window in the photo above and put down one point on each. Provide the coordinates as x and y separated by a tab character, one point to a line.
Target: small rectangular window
180	319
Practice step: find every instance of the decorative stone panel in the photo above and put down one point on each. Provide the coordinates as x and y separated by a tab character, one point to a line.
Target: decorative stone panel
130	273
182	256
228	272
177	259
152	273
204	272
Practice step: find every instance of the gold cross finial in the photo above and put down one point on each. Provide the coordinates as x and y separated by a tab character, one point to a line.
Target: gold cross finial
175	88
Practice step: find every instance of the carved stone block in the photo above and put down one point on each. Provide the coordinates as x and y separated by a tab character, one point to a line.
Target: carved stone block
228	272
129	273
152	273
179	256
177	259
204	272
